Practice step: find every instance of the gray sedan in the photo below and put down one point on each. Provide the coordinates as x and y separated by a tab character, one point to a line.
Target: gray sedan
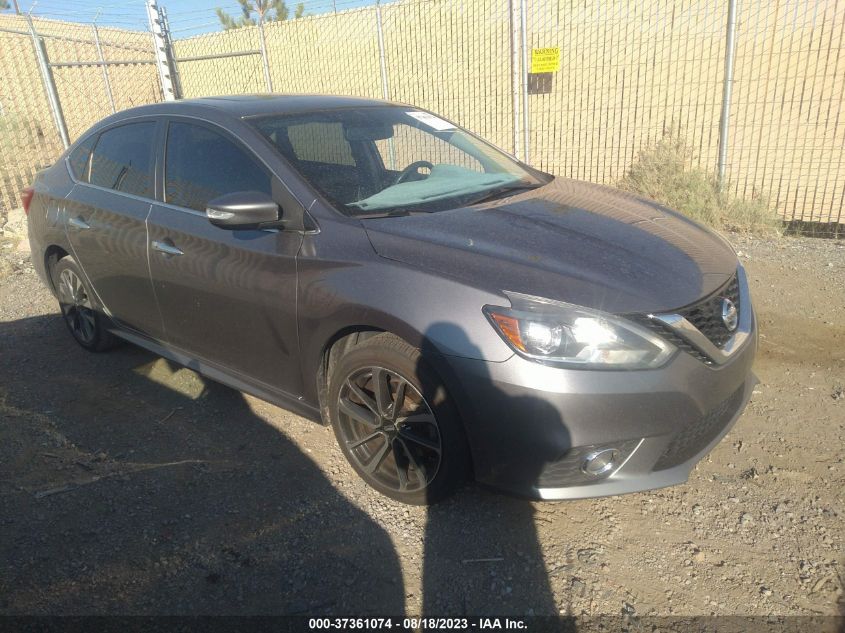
449	310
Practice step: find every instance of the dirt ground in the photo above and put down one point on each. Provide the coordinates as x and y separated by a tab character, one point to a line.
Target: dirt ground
131	486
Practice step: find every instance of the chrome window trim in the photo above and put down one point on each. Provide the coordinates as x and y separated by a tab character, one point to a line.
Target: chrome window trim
174	207
118	193
687	330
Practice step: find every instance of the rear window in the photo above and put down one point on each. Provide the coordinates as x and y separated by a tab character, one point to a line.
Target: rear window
79	158
320	142
123	159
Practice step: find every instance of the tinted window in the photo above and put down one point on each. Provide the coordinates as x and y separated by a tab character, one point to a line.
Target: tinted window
320	143
123	159
201	165
79	158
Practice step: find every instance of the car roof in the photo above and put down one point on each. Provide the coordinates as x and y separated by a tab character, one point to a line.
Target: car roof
243	106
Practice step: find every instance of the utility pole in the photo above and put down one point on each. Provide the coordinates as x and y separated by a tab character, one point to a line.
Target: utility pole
160	49
170	51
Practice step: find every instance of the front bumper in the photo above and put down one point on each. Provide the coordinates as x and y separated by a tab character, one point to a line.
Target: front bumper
529	425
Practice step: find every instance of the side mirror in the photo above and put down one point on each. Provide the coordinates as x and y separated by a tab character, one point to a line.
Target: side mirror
243	210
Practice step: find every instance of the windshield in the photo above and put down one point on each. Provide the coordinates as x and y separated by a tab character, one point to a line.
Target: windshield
378	160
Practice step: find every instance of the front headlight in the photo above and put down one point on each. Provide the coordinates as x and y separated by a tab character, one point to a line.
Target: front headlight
562	333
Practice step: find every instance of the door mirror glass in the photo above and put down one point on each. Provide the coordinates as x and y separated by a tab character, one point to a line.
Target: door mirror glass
243	210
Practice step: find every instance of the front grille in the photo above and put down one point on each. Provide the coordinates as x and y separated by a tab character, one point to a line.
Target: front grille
706	315
566	471
694	438
666	332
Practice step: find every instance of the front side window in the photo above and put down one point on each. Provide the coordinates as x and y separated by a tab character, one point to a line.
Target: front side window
123	159
385	159
201	164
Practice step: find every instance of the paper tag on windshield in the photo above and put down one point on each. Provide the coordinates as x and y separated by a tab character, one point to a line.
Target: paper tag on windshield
431	121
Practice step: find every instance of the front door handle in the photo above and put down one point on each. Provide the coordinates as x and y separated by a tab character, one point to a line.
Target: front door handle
79	223
166	248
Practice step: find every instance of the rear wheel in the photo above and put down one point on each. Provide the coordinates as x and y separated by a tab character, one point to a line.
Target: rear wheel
86	324
394	422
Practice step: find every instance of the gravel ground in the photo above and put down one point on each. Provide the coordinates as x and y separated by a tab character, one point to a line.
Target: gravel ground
130	485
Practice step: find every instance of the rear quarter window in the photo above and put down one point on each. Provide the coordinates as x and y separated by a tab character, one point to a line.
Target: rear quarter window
79	159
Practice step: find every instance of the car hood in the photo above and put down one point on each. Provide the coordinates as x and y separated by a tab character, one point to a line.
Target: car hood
571	241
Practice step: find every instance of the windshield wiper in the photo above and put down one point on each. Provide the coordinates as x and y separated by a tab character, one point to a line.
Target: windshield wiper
499	192
390	213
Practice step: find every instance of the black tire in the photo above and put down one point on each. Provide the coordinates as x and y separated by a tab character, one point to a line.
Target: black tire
430	474
80	312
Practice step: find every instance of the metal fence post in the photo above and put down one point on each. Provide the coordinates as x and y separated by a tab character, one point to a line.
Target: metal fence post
106	81
516	78
724	121
263	41
385	89
160	48
49	82
525	113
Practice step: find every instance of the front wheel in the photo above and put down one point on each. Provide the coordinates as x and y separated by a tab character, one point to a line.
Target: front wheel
394	422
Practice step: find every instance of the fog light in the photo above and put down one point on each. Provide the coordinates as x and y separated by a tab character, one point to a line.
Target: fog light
601	462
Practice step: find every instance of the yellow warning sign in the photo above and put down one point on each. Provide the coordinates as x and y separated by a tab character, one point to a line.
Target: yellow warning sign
545	60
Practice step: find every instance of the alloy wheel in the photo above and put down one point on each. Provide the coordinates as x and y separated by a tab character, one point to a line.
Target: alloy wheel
389	429
76	307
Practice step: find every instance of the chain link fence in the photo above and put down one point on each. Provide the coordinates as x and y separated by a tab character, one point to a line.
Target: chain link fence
576	88
787	132
28	135
57	78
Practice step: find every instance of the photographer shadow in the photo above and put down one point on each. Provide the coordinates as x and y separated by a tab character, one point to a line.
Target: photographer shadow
482	551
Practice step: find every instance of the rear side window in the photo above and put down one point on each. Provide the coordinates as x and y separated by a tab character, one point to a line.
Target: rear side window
123	159
320	142
201	165
79	158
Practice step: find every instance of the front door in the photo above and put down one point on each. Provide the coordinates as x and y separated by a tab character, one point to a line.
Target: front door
105	218
226	296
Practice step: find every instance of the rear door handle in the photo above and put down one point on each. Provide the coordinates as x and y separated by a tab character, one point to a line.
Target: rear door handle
166	248
79	223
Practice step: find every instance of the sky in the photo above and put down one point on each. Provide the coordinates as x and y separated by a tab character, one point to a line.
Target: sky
187	17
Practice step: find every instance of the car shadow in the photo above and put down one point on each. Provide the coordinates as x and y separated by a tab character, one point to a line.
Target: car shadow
132	486
482	550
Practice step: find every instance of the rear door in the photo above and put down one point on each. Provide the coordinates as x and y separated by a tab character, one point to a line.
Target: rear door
227	296
106	216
